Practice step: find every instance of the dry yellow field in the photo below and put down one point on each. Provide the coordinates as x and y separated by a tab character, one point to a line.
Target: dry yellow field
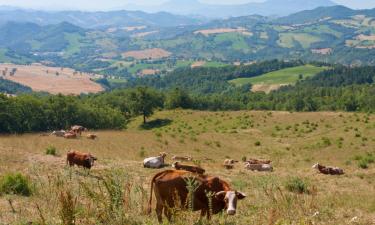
53	80
293	141
154	53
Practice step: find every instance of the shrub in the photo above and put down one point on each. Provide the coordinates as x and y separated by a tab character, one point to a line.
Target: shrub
297	185
16	184
363	164
51	150
257	143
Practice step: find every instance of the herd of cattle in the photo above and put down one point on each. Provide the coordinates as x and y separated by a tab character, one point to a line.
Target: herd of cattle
211	196
73	133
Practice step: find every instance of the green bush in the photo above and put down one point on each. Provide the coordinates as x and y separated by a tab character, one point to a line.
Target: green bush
51	150
16	184
257	143
297	185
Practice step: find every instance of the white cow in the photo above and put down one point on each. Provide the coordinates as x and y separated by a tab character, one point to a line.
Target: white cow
59	133
259	167
155	162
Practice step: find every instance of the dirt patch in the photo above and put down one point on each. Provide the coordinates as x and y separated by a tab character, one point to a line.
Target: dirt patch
267	88
51	79
240	30
198	64
149	72
144	34
154	53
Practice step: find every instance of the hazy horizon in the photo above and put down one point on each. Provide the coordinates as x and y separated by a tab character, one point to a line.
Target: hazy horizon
95	5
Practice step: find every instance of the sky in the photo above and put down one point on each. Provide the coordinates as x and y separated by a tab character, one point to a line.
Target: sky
112	4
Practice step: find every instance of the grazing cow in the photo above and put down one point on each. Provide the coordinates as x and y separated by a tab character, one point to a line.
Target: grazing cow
155	162
256	161
174	181
259	167
70	135
85	160
182	158
328	170
92	136
193	169
59	133
78	129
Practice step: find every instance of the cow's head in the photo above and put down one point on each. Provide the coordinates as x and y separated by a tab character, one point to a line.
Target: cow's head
91	159
163	154
175	164
230	198
315	166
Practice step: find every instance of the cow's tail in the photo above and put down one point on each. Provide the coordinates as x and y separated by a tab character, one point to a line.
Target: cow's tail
151	191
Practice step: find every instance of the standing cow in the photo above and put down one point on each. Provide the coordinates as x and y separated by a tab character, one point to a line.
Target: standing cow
85	160
174	181
78	129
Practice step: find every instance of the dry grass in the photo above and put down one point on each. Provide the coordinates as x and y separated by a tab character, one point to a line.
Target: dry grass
267	88
51	79
293	141
154	53
208	32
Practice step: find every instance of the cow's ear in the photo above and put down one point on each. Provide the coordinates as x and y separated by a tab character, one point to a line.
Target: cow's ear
240	195
220	195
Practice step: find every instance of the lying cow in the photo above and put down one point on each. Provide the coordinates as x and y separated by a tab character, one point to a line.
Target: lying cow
174	181
193	169
92	136
59	133
256	161
328	170
78	129
229	163
182	158
70	135
259	167
85	160
155	162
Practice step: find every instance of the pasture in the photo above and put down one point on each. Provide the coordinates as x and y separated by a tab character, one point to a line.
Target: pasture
116	190
53	80
273	80
154	53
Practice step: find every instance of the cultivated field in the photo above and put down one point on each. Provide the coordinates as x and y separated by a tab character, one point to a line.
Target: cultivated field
116	191
240	30
274	80
154	53
51	79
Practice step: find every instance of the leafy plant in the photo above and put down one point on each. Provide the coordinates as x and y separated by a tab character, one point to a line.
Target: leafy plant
16	184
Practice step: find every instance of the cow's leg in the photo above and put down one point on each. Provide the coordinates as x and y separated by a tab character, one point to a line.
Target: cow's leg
205	212
168	213
159	212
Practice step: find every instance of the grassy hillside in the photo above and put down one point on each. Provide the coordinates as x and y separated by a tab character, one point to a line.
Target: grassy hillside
293	141
284	76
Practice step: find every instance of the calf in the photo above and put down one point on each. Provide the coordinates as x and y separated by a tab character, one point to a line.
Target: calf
328	170
92	136
256	161
229	163
182	158
193	169
155	162
259	167
85	160
70	135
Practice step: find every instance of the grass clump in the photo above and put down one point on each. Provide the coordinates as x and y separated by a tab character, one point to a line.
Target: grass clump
364	161
51	150
297	185
15	184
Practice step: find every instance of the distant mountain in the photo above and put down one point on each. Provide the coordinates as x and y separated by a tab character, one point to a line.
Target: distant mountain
267	8
96	19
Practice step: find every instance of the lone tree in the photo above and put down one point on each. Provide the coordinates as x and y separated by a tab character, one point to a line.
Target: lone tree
143	101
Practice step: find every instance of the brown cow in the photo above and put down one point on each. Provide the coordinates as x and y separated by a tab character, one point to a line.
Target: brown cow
85	160
70	135
174	181
328	170
182	158
92	136
193	169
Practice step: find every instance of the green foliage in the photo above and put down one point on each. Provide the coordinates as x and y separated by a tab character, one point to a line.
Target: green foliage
51	150
365	160
15	183
297	185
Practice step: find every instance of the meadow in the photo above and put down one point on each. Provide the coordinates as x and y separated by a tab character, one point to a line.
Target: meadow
279	77
116	190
